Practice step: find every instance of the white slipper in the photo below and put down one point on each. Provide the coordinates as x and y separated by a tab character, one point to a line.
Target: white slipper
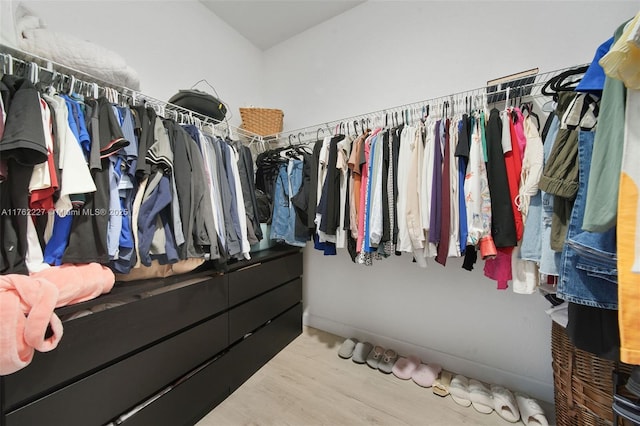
347	347
480	396
530	411
505	403
459	390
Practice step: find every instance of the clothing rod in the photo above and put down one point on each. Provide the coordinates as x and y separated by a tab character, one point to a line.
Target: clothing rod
10	54
477	94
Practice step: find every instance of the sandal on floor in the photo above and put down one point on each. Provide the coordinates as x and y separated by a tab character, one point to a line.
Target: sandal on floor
389	358
426	374
441	384
346	350
530	411
480	396
505	403
361	352
404	367
459	390
375	356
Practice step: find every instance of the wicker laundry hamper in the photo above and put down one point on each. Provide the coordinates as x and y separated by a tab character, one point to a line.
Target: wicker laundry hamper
262	121
582	383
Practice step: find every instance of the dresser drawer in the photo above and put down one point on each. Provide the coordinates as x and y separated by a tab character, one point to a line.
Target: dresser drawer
189	401
102	338
251	315
249	355
98	398
255	279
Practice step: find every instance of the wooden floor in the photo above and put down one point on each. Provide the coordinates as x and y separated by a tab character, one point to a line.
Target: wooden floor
307	384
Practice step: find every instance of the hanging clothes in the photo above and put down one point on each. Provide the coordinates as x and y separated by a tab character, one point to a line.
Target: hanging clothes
628	245
503	228
22	147
602	198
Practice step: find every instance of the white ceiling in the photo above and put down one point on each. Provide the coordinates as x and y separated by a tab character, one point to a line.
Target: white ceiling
266	23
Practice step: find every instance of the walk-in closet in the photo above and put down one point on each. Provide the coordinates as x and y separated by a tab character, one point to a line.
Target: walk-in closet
319	212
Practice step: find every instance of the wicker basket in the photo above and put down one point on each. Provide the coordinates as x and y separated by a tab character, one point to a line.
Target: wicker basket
262	121
583	383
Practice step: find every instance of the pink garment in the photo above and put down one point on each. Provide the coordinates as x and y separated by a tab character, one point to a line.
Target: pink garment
520	136
499	268
27	306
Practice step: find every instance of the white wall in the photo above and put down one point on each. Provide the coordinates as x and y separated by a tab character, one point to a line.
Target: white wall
387	53
171	44
381	54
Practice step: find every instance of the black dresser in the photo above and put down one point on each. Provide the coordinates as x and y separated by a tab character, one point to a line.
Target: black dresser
161	351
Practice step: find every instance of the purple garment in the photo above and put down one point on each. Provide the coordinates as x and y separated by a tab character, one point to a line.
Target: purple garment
435	221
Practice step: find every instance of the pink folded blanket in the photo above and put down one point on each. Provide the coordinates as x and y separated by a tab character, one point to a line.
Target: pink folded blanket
27	306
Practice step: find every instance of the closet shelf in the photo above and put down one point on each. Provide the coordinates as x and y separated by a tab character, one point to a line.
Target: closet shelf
11	57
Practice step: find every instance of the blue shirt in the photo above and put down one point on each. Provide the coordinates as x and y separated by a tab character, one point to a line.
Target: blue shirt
593	79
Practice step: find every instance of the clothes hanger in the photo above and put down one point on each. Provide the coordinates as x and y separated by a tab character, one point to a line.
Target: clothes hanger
562	82
532	113
506	101
7	64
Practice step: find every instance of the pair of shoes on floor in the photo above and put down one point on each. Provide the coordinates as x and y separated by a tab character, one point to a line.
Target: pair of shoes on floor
511	407
364	352
382	359
387	361
467	392
413	368
356	350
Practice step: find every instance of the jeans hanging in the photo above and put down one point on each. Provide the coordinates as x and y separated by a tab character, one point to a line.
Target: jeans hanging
287	185
588	273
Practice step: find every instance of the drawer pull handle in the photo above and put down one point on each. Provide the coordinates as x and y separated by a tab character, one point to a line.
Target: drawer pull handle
250	266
